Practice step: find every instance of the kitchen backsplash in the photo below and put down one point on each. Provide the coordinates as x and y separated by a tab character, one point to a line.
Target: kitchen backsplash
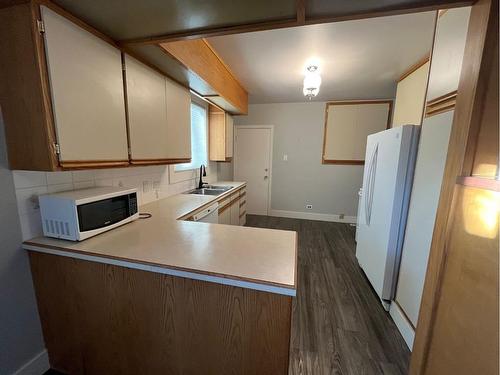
152	183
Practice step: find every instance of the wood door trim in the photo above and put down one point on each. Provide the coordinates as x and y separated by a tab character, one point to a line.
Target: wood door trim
415	67
85	164
482	30
351	102
159	161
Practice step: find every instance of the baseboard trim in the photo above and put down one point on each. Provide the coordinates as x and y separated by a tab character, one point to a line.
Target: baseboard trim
404	326
312	216
38	365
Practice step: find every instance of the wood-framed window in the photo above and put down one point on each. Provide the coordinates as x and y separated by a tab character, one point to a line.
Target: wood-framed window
348	123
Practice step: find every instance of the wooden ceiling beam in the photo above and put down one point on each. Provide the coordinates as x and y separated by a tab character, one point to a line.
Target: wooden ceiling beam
198	57
301	19
436	5
214	31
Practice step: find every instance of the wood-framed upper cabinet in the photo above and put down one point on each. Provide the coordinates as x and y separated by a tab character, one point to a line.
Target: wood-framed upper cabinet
221	130
62	91
158	116
178	122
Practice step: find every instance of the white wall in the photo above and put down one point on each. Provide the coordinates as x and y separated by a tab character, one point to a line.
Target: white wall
298	133
20	331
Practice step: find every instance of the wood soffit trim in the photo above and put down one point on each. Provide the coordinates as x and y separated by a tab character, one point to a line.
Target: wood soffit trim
225	66
441	104
415	67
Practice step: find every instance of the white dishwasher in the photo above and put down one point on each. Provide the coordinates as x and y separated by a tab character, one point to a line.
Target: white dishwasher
208	215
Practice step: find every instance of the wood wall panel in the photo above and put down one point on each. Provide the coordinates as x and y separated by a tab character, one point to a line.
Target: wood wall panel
105	319
197	56
467	315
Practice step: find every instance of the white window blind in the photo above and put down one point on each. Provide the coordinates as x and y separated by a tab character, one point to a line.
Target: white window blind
199	139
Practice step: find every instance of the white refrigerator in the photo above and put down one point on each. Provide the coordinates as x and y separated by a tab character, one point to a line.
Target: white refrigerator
387	181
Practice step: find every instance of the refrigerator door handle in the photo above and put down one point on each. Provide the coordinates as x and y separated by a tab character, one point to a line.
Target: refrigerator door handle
371	183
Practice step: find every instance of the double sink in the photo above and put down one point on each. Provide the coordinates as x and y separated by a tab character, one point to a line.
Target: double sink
211	190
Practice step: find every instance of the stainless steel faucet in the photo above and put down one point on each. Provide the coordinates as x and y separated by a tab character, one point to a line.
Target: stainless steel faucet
203	173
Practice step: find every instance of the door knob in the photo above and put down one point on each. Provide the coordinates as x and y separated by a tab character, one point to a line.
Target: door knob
265	169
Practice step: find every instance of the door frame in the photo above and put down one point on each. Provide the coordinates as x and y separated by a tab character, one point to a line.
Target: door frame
271	152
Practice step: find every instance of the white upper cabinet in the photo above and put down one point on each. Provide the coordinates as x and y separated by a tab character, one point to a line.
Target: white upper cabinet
159	114
147	112
178	122
86	84
448	52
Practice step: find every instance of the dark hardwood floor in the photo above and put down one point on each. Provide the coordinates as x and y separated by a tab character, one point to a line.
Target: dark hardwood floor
338	323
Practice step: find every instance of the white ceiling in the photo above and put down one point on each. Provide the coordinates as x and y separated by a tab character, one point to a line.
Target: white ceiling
358	59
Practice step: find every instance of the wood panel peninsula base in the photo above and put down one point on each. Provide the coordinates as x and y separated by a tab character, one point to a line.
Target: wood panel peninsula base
101	318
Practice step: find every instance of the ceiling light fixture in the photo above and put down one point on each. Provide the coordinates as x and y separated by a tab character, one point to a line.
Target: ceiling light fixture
312	82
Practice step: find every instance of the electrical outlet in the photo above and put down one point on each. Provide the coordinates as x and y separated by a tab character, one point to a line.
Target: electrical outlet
309	206
341	216
146	186
285	157
156	185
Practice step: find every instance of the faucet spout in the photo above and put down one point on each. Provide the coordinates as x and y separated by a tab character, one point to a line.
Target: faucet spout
203	173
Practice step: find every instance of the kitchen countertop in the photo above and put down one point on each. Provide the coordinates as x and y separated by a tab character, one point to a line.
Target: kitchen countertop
256	258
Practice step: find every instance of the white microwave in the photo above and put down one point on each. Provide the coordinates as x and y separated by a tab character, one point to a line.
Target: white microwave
80	214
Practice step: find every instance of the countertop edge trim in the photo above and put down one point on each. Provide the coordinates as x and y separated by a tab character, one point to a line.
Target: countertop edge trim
167	271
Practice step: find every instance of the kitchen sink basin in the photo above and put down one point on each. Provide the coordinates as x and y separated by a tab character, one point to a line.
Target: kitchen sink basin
216	187
207	191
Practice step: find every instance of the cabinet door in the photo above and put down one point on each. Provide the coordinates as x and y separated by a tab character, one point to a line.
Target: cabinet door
229	136
225	216
86	84
216	134
178	122
448	52
235	212
147	112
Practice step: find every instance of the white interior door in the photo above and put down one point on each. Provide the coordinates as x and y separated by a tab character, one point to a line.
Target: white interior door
252	163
